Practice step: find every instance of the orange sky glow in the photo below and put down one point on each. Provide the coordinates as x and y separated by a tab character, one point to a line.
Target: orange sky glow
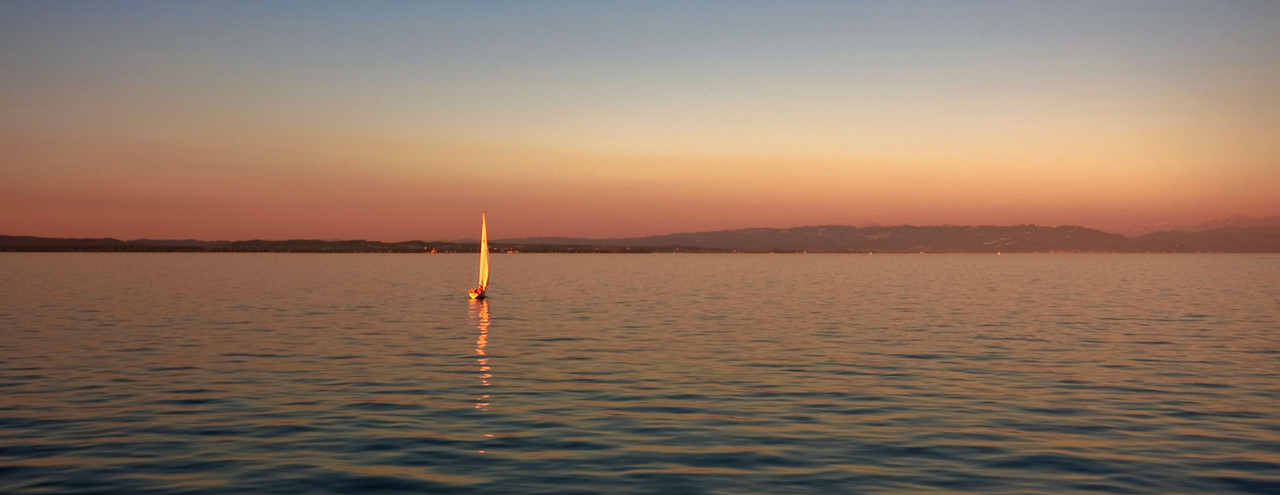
235	121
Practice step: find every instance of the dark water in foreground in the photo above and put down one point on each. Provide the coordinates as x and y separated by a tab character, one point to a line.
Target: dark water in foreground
280	373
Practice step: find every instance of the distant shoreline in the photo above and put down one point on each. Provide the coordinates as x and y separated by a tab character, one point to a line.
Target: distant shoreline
815	239
800	253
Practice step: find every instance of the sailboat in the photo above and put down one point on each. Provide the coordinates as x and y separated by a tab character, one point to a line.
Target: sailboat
477	293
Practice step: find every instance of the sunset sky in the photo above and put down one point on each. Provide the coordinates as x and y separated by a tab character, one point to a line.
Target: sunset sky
404	120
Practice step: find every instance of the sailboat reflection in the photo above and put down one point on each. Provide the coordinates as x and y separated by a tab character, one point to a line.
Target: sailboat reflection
480	313
480	308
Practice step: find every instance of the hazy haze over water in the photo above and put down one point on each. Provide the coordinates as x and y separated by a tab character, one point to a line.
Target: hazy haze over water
286	373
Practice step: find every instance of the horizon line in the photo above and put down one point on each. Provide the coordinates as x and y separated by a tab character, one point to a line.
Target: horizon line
1178	228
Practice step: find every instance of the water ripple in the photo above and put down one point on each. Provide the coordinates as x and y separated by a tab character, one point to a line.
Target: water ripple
640	374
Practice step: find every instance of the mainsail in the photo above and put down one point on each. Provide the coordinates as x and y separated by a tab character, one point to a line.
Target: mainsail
484	255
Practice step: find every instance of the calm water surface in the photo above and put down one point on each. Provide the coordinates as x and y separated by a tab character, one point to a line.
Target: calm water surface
309	373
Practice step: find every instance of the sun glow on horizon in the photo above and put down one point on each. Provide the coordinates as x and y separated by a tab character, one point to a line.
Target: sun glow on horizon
236	120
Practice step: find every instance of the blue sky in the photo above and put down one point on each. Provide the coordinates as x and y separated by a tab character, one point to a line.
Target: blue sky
620	118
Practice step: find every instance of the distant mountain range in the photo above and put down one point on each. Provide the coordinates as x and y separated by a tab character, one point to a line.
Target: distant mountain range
942	239
1238	221
826	238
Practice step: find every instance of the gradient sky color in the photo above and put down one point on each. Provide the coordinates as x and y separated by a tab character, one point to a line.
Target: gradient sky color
403	120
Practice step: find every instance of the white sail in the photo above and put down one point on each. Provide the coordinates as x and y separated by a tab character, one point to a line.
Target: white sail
484	255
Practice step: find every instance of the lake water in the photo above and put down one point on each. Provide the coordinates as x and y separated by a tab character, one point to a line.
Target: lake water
661	373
